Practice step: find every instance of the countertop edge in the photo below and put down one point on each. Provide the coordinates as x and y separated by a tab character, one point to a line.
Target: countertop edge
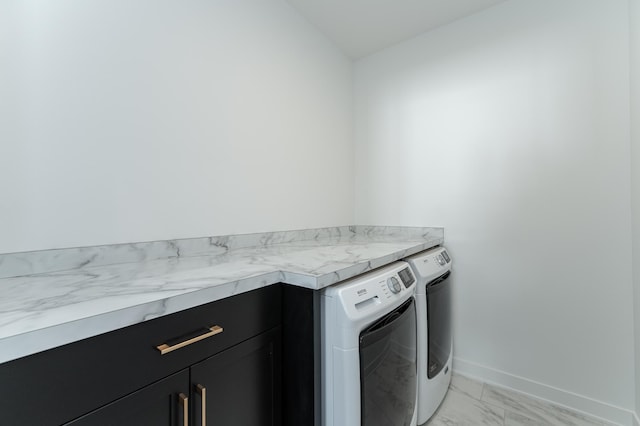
31	342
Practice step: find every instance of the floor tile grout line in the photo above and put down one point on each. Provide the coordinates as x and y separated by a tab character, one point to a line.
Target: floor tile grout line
577	415
482	391
500	408
543	405
504	410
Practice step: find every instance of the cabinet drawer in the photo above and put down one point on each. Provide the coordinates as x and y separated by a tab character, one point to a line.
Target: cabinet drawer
60	384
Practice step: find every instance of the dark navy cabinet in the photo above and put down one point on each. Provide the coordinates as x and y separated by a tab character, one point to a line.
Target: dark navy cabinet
240	386
163	403
228	354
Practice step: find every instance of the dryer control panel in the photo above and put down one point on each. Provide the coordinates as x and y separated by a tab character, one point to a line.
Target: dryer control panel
431	263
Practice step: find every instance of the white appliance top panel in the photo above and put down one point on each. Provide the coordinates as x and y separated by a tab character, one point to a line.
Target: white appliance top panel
431	263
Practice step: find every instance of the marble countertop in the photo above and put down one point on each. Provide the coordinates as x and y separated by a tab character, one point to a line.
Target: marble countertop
51	298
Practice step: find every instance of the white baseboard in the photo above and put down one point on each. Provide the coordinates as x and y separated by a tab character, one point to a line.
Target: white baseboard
586	405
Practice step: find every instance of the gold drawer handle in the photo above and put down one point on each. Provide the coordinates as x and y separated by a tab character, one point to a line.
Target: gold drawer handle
166	348
185	408
202	391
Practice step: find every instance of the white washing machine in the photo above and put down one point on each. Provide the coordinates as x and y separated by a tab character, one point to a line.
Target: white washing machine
435	348
369	349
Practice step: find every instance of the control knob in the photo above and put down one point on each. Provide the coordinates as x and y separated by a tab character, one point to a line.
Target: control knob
394	285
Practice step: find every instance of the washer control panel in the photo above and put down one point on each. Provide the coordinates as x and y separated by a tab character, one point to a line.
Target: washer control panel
360	296
407	277
394	285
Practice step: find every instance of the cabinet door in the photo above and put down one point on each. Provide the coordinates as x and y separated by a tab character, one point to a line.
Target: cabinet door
240	386
160	404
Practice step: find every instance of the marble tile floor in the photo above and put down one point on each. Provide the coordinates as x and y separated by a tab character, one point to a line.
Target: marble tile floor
471	403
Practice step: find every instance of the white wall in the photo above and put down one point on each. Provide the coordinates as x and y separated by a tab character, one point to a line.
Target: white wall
132	121
510	128
635	183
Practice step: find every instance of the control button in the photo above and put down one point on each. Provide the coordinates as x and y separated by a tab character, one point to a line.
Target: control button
394	285
446	256
441	260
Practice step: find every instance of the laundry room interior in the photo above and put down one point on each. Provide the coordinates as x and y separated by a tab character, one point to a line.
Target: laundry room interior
159	156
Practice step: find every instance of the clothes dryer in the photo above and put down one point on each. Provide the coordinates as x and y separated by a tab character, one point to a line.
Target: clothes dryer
432	269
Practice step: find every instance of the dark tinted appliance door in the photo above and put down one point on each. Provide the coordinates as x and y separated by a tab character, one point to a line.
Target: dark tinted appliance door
388	377
438	323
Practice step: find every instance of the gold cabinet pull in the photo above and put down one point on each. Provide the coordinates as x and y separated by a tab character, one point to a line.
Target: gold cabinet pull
202	391
185	408
165	348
